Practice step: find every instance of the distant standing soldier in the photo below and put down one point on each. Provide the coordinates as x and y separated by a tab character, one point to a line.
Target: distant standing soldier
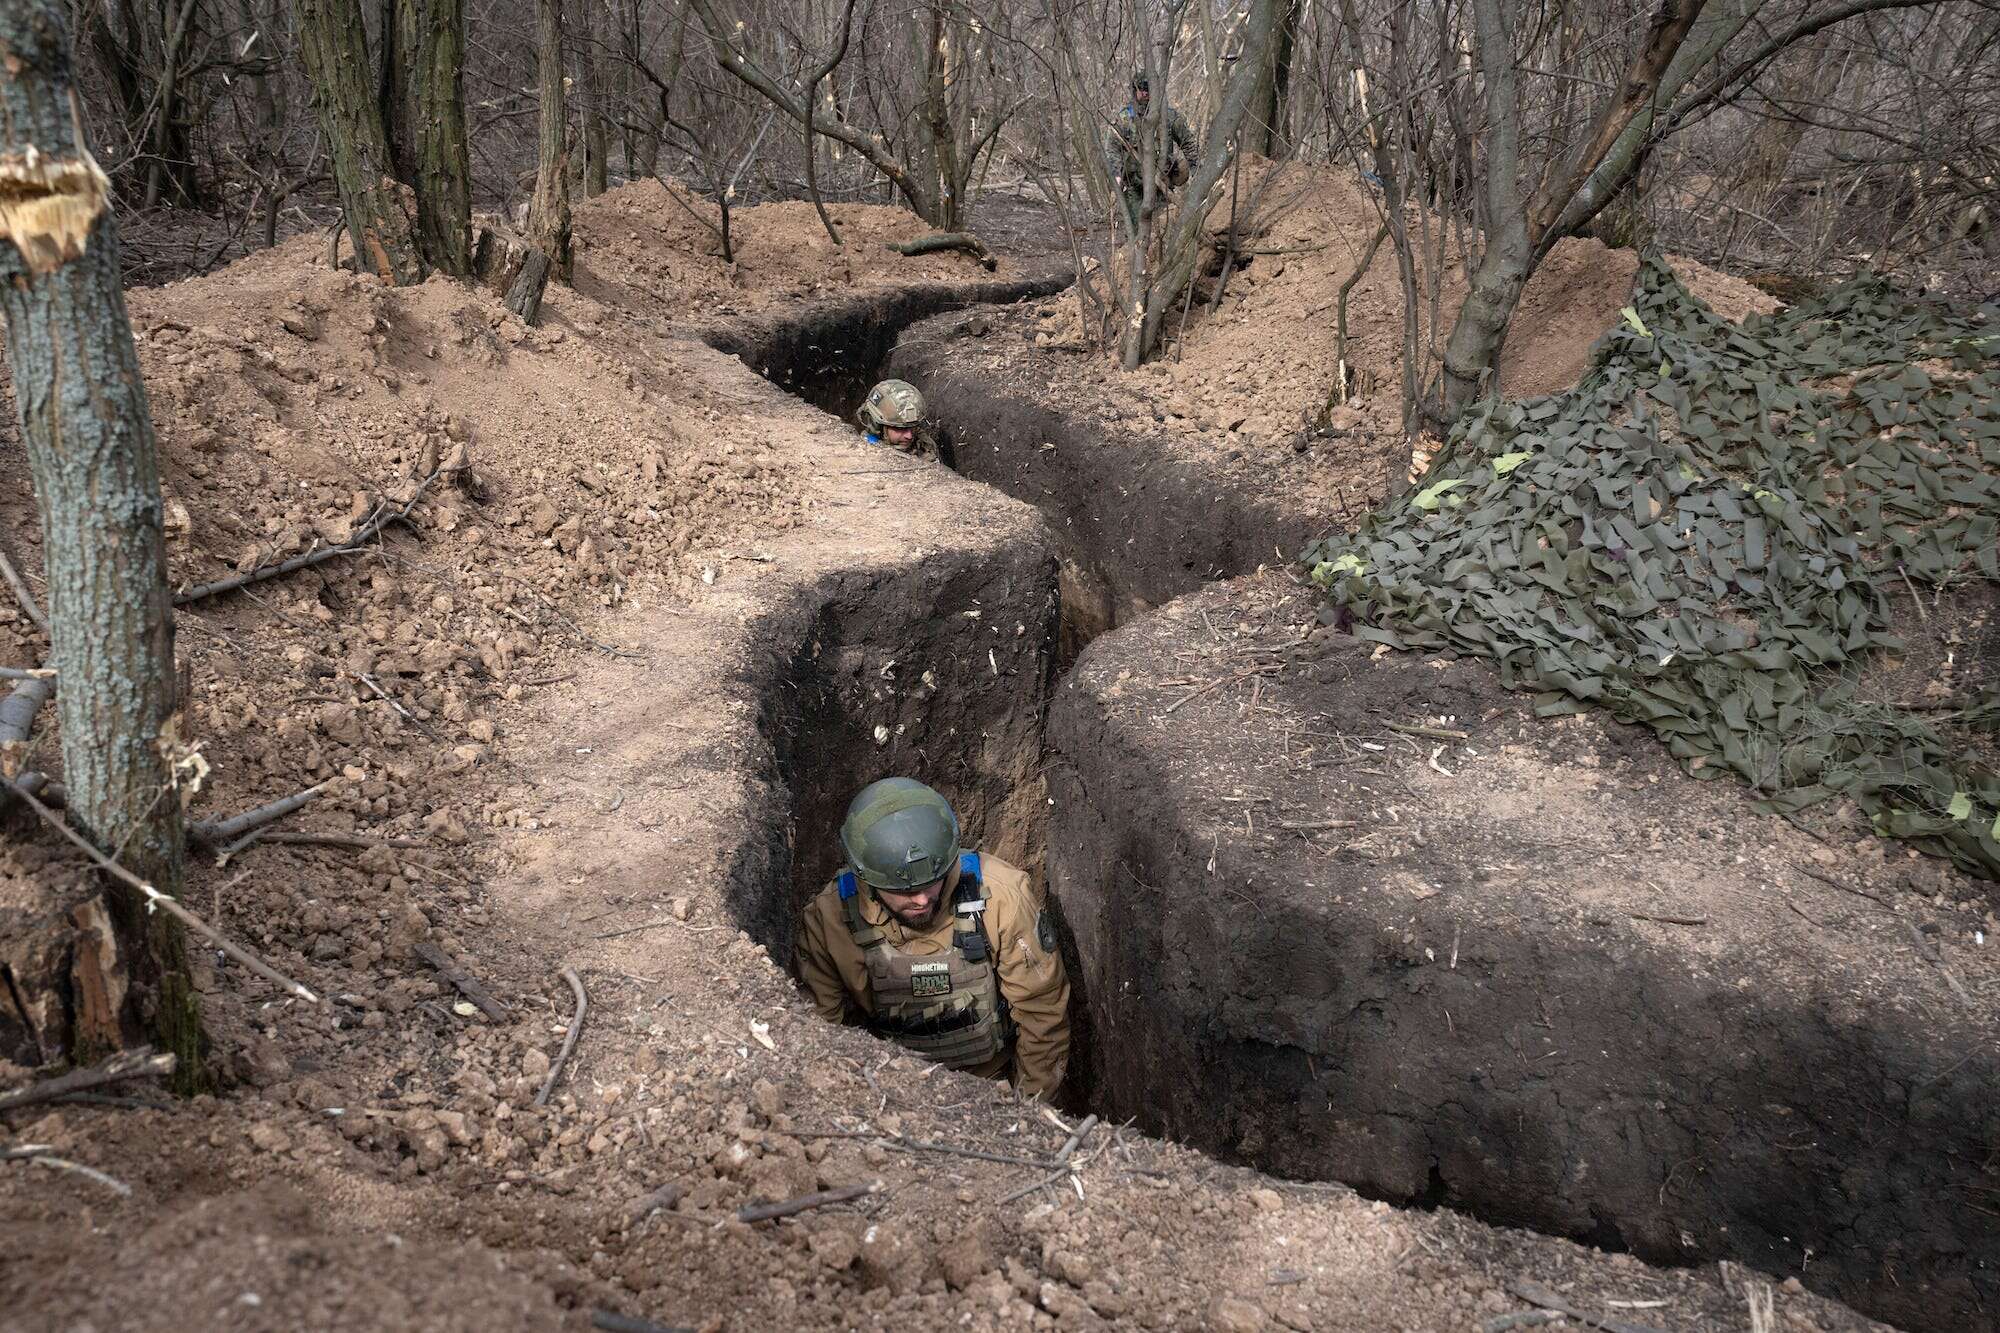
1123	150
980	986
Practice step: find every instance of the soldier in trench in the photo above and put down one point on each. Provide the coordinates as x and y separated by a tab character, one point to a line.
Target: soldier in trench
893	414
940	949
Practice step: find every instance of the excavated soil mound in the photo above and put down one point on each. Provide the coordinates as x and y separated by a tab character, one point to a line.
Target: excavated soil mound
1344	912
654	246
605	693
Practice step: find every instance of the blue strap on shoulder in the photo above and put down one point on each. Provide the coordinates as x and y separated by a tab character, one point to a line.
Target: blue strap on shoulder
846	884
968	864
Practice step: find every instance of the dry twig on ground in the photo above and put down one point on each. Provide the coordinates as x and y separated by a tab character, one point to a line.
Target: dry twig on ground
381	518
21	593
764	1212
38	1154
569	1040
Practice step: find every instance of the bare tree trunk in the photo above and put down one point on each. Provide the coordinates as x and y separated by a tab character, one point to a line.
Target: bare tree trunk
434	42
548	211
380	212
1281	83
170	171
642	141
89	436
1473	351
937	119
596	133
395	90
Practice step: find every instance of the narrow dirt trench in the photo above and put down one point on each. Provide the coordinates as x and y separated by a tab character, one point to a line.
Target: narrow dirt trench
1223	1027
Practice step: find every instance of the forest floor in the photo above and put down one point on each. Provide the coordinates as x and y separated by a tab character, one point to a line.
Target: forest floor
566	685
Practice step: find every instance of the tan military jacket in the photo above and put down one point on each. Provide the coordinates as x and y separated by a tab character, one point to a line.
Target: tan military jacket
1032	977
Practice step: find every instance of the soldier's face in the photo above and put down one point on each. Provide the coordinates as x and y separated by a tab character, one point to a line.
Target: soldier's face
1141	96
899	436
917	907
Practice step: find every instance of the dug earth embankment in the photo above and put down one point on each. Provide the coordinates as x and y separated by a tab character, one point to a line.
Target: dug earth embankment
1357	915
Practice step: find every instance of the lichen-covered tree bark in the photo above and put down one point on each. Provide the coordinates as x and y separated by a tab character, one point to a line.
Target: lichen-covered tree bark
381	212
89	435
548	211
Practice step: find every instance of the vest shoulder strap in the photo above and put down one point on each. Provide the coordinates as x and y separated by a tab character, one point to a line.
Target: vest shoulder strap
849	889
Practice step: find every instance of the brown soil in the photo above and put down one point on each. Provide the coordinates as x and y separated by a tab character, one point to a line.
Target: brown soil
1251	375
636	655
1533	972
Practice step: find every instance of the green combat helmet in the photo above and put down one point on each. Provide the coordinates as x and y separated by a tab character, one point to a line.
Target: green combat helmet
899	835
892	403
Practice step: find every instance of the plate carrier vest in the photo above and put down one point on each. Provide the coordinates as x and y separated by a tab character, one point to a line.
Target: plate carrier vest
947	1008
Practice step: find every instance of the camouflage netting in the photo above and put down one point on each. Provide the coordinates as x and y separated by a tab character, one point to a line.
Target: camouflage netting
1701	536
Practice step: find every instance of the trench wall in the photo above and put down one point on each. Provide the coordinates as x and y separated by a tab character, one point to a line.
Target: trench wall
1437	1029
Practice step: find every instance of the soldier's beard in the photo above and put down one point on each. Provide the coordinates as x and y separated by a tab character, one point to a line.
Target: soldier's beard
912	911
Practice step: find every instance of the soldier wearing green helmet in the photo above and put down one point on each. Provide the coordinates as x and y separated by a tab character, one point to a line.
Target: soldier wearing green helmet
980	986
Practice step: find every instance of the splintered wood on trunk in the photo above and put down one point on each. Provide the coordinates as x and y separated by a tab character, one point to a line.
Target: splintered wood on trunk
89	435
548	211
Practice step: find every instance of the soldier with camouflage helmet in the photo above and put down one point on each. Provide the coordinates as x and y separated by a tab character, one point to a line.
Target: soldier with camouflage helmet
1124	150
945	951
893	414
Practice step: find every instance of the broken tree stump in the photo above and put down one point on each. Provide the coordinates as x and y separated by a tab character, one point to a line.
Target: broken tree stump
524	298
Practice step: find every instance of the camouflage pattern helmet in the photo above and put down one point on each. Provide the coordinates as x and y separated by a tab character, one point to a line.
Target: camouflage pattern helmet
899	835
892	403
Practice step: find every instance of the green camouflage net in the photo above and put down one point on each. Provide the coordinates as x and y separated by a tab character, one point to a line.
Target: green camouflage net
1700	535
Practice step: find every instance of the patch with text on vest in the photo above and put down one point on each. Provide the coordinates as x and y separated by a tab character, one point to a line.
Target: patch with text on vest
930	979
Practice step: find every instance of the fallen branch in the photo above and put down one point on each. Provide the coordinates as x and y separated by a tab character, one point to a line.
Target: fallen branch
1076	1140
21	593
467	985
764	1212
154	898
1669	920
18	709
140	1062
368	531
37	1154
1536	1294
569	1041
218	833
27	673
947	240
